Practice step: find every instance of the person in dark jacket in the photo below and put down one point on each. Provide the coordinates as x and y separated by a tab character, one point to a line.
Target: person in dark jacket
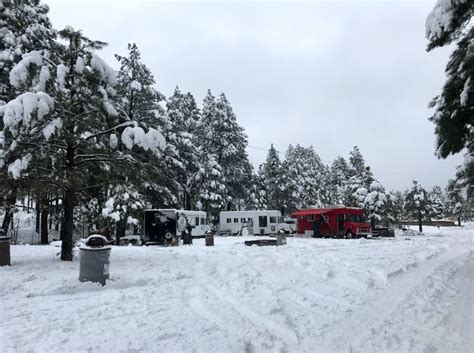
316	229
187	236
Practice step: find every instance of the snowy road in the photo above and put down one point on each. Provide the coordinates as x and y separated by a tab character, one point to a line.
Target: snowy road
313	295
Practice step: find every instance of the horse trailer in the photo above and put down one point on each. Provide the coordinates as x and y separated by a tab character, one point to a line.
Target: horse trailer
266	222
165	226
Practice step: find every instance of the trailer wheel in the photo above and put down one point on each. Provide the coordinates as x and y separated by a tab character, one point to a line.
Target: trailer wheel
349	235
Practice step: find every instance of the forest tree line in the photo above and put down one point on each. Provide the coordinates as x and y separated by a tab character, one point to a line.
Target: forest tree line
90	143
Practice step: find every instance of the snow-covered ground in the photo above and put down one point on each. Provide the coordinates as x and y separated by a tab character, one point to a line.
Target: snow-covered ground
408	294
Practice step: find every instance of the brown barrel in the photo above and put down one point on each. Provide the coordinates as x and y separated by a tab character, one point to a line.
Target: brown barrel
4	251
209	239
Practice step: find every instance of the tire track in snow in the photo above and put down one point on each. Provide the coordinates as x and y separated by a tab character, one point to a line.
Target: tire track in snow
234	313
374	311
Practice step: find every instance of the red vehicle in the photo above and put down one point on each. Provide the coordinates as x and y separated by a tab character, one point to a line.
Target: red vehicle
333	222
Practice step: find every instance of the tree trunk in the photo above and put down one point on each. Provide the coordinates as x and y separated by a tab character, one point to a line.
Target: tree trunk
120	232
9	206
38	215
66	247
459	221
58	218
420	223
372	222
44	222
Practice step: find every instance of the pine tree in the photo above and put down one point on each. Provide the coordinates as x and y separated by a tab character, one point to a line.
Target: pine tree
451	22
375	203
455	200
358	167
72	129
226	142
270	175
395	207
338	181
24	27
184	158
303	179
258	194
438	203
417	203
138	99
213	196
356	191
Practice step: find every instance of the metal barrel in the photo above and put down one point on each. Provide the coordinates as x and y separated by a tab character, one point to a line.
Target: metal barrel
5	251
94	265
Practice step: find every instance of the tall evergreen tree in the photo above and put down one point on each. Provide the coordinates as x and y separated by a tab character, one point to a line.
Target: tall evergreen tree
213	195
227	142
455	203
438	203
417	203
24	27
338	183
185	156
303	179
270	175
395	207
258	194
71	129
375	202
451	22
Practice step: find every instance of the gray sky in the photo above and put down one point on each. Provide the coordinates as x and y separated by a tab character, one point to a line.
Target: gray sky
329	74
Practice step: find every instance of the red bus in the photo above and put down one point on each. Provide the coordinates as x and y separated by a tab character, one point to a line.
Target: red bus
346	222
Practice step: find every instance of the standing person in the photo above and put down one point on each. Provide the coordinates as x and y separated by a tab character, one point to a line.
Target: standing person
316	229
189	230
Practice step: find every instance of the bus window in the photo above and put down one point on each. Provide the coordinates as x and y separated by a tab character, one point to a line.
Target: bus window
236	220
229	220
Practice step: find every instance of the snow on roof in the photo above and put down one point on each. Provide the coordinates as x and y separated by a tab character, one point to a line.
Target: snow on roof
315	211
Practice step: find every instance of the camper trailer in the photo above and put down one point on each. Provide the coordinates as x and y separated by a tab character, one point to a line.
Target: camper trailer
161	225
266	222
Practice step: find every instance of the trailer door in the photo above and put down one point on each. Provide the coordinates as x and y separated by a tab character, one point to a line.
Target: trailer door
340	223
262	224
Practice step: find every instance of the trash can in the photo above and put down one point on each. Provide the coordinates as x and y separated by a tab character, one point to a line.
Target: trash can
281	237
4	249
209	238
94	260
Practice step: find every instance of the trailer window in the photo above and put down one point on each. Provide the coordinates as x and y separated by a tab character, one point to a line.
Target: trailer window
203	221
249	219
273	219
229	220
311	217
236	220
196	221
355	218
242	220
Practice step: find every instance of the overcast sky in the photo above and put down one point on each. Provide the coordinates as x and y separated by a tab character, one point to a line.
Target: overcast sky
329	74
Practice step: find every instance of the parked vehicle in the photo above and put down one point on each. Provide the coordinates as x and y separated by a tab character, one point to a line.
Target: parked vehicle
289	225
161	226
346	222
266	222
134	239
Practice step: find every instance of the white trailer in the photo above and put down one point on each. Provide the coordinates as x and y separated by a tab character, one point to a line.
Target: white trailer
266	222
